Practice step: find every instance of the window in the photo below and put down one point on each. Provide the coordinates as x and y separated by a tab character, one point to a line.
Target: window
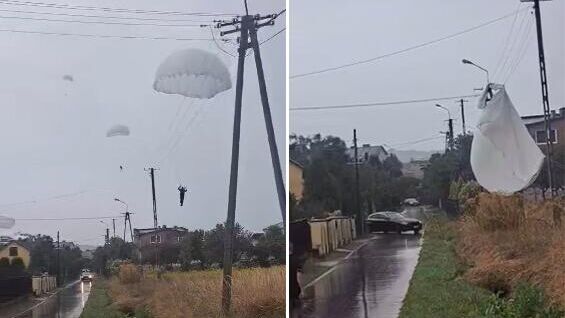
179	238
155	239
13	251
541	136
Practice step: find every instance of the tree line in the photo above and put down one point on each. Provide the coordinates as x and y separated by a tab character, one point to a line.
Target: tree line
329	179
200	249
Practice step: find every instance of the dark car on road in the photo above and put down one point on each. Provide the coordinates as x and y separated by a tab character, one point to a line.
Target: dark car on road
392	222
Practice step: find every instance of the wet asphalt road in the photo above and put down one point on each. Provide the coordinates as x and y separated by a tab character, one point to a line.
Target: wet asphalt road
68	303
370	283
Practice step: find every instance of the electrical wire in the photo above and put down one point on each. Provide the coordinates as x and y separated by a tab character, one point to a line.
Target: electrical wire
102	22
411	48
272	36
70	218
55	197
373	104
103	16
507	41
218	45
521	53
409	143
110	9
103	36
522	29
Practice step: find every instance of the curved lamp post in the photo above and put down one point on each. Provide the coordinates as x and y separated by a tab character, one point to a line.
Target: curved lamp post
465	61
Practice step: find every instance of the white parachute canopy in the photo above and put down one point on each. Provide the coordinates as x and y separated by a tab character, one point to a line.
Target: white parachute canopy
192	73
6	222
118	130
504	157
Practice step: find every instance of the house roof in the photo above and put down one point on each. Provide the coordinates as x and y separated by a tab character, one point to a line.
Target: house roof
296	163
535	119
160	229
19	243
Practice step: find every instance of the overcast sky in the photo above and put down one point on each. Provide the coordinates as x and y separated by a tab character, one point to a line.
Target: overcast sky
327	33
52	130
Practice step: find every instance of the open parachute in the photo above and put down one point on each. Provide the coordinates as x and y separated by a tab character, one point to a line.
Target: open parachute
504	157
6	222
118	130
192	73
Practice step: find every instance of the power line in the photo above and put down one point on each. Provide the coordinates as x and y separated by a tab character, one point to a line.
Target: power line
110	9
373	104
218	45
521	53
416	141
507	41
272	36
411	48
102	22
103	16
103	36
69	218
522	29
55	197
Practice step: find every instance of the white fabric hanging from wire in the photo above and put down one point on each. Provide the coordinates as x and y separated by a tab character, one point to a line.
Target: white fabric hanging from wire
504	157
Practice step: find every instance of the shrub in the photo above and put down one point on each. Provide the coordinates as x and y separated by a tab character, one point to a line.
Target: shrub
495	212
527	301
17	262
129	274
4	262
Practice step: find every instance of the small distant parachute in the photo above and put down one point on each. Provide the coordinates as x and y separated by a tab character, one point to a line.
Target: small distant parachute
192	73
118	130
6	222
68	77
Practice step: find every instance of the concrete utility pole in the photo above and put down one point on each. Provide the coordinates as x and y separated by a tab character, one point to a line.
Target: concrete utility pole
127	220
545	97
152	174
114	226
155	224
58	261
462	103
451	138
357	203
247	26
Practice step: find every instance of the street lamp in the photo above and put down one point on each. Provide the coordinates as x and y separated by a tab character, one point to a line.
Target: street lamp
122	202
448	112
450	126
465	61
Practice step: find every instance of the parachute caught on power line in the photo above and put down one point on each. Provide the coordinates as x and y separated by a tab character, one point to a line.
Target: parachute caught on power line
117	130
192	73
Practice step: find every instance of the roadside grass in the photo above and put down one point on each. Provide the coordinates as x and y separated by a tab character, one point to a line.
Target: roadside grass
99	304
441	286
436	290
256	292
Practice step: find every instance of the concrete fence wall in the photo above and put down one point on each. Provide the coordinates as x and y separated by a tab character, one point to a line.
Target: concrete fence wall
43	284
331	233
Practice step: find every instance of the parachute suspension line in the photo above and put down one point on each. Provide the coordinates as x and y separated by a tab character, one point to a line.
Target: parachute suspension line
174	119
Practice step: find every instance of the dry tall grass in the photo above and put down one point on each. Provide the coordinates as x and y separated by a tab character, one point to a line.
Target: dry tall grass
507	240
258	292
